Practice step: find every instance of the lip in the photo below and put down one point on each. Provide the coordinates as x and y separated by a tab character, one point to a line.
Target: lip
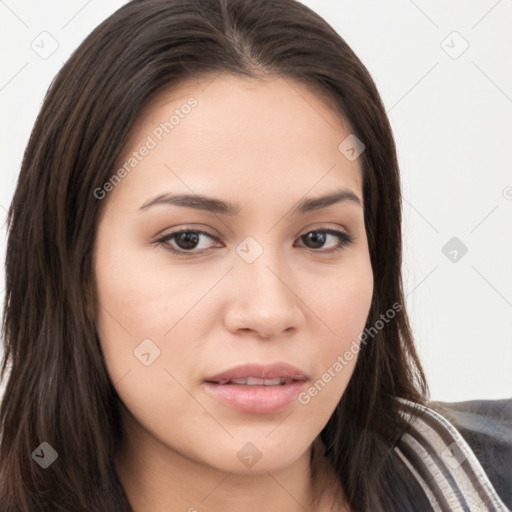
257	399
260	371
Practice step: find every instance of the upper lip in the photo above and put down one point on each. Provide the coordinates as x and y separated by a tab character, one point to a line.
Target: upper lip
260	371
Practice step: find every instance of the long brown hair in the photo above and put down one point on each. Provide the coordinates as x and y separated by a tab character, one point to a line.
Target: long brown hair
58	390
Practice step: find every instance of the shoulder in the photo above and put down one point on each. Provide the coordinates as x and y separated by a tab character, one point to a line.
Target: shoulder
459	453
486	426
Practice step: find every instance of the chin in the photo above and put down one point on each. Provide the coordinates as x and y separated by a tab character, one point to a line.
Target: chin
256	457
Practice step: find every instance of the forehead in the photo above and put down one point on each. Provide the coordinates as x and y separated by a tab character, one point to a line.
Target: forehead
220	132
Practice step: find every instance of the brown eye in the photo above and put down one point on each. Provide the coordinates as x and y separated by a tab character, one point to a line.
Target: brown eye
185	240
316	239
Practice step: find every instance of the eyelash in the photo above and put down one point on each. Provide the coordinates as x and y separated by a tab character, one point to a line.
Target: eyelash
345	239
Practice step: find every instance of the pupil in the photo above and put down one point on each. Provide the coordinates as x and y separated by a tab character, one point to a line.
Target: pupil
186	237
316	238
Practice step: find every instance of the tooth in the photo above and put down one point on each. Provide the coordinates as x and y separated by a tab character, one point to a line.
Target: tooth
253	381
238	381
273	382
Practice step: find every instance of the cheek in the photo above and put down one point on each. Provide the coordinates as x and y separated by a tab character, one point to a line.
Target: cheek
131	309
342	302
146	334
140	295
152	320
343	305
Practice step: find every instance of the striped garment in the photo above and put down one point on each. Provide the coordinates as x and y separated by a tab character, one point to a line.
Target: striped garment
444	464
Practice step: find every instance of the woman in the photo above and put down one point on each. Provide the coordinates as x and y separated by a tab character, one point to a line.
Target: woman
210	315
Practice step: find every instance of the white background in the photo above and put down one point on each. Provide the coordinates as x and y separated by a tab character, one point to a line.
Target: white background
452	119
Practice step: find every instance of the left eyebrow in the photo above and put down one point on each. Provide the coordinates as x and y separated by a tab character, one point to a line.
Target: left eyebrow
317	203
221	207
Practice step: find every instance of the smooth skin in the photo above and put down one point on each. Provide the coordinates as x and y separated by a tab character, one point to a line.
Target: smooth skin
264	144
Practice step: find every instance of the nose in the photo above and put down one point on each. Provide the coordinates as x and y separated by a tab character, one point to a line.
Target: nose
264	301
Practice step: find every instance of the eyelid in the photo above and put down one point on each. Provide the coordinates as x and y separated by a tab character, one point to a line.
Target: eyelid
180	228
329	225
213	233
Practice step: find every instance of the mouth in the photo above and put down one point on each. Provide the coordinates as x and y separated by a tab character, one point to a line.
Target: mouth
257	389
254	381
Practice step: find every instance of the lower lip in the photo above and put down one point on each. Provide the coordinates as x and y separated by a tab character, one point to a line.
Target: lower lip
255	399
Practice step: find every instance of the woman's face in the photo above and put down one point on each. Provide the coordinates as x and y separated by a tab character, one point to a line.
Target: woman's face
265	285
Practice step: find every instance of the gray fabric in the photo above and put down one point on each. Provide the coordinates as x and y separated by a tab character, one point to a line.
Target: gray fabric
486	426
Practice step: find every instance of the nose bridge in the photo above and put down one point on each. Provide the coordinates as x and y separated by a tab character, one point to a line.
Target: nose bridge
265	301
262	269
